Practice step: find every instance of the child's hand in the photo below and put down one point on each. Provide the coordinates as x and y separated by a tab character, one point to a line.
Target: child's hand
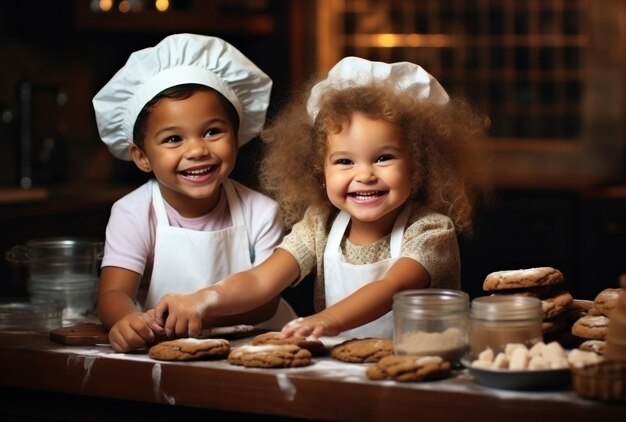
313	326
134	331
182	315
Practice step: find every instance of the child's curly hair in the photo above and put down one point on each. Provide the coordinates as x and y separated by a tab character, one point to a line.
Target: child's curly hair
447	142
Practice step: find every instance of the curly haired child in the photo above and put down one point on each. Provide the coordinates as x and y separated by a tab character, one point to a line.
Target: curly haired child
377	171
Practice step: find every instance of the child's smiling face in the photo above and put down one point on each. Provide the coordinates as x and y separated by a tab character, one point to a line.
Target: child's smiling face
191	146
368	169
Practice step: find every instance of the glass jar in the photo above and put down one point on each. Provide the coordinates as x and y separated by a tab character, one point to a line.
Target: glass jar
498	320
431	322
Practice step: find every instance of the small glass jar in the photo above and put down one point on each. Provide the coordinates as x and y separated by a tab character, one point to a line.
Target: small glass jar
498	320
431	322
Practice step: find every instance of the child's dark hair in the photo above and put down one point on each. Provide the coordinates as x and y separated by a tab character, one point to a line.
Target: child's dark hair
179	92
447	143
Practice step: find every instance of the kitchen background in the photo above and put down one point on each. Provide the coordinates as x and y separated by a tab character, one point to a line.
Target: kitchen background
549	73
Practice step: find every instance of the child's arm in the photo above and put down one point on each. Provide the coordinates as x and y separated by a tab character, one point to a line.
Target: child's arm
118	288
129	329
364	305
184	315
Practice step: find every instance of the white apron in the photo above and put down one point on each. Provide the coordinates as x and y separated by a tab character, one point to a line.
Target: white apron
188	260
341	279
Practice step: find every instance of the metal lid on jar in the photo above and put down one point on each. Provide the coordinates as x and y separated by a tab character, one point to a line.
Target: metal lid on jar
506	307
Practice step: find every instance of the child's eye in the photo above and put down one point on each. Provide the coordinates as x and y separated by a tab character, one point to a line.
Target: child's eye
384	157
212	132
171	139
343	162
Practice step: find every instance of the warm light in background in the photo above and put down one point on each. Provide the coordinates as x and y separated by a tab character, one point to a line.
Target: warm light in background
162	5
125	6
105	5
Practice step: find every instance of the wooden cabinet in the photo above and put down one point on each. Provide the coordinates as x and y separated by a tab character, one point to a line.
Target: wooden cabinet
549	73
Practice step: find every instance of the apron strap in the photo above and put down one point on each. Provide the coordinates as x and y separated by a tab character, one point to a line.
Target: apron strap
342	220
236	213
398	229
234	205
158	202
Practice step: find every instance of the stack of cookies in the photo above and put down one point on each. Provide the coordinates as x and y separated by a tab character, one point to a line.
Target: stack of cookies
591	325
544	283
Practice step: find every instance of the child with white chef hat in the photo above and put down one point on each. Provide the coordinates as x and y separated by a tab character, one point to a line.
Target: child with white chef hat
379	170
180	110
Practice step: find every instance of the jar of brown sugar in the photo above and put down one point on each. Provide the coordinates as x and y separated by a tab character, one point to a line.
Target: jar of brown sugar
498	320
431	322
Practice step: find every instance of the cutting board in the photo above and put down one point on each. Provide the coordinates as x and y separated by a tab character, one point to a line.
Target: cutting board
89	334
86	334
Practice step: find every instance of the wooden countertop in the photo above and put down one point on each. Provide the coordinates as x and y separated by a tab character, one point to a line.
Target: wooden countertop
326	390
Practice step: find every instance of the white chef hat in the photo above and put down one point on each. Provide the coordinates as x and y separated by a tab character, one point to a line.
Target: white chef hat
181	59
355	71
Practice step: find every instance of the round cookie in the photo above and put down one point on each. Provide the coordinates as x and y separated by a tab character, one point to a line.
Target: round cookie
591	327
409	368
556	304
579	308
270	356
363	350
189	349
606	300
596	346
524	278
316	347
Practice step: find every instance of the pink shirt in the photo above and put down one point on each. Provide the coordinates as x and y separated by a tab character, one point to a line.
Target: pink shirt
130	232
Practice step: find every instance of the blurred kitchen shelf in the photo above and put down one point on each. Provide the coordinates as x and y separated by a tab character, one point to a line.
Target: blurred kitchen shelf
201	16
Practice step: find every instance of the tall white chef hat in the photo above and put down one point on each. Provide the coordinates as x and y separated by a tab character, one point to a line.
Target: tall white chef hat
181	59
355	71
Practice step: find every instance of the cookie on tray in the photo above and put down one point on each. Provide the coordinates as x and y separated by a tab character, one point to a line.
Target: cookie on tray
523	278
362	350
190	348
316	347
409	368
270	356
591	327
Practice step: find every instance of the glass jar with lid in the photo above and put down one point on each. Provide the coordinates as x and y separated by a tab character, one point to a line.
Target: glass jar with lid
431	322
498	320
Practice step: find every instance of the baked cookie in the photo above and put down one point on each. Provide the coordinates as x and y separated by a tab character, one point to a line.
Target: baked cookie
363	350
190	348
596	346
579	308
524	278
539	292
606	300
270	356
591	327
409	368
556	304
316	347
